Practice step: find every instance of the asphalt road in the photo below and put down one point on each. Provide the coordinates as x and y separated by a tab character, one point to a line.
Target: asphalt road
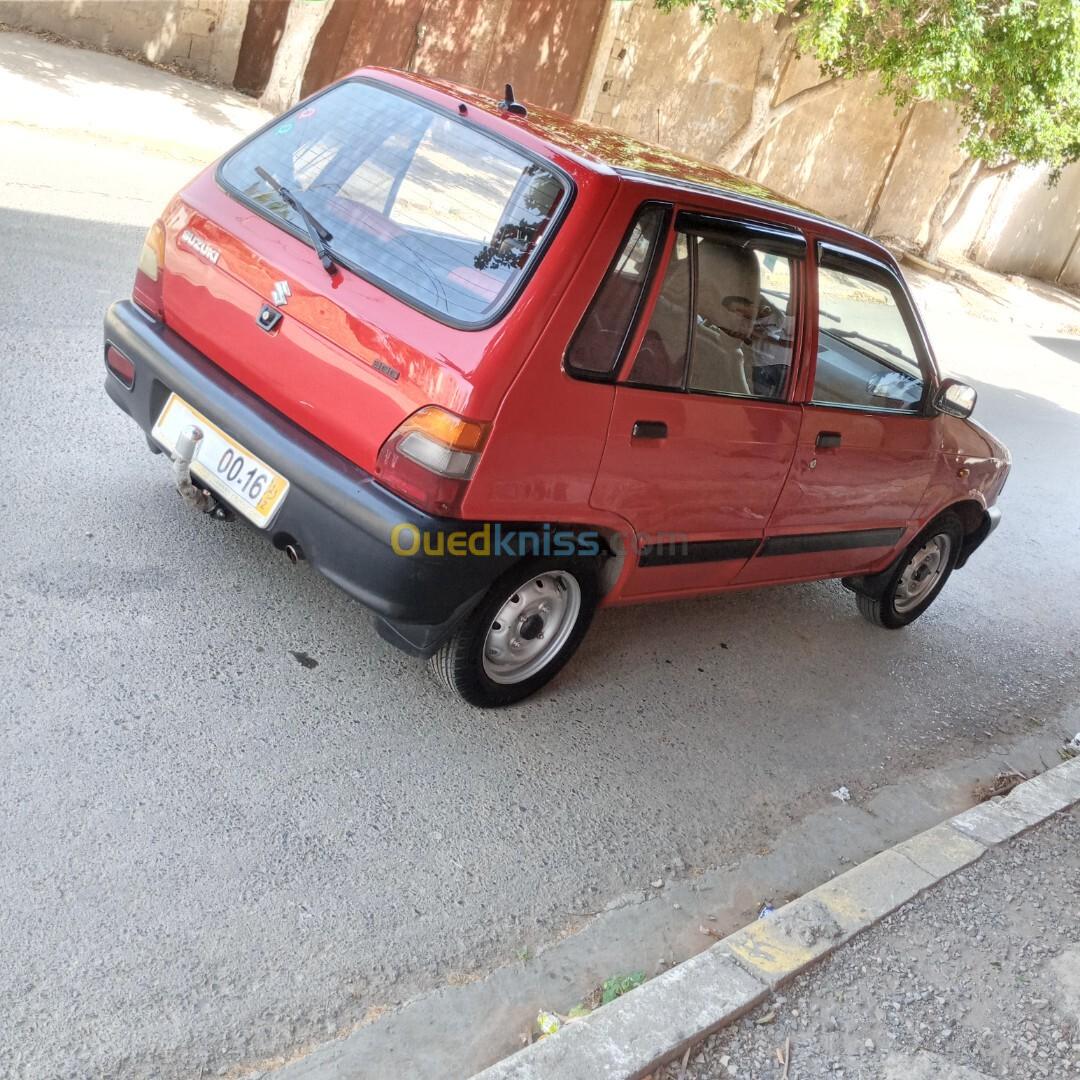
213	853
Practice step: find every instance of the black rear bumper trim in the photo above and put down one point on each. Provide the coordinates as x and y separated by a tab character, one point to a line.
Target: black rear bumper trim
338	514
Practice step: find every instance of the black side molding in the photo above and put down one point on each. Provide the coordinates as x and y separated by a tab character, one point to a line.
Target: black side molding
676	552
683	552
837	541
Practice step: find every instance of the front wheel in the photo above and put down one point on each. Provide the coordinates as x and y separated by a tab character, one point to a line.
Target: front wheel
918	578
526	628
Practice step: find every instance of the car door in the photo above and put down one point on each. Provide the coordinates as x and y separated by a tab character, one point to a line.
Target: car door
868	442
702	430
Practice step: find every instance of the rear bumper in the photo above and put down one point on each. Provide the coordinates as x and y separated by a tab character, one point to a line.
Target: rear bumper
337	513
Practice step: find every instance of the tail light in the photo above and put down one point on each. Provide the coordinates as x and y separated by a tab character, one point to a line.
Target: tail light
430	458
147	290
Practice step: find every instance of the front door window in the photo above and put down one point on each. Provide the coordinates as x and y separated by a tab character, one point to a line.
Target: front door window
866	357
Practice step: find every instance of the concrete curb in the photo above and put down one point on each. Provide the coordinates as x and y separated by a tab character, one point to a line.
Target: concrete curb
655	1023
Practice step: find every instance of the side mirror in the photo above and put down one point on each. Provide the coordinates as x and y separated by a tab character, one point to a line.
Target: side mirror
955	398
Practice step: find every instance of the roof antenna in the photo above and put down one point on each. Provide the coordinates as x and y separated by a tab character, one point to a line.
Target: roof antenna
510	105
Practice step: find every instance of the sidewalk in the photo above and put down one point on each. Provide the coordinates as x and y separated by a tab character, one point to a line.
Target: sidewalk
914	963
96	136
978	978
81	93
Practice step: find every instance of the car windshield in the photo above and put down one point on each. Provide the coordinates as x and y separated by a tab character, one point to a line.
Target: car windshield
437	211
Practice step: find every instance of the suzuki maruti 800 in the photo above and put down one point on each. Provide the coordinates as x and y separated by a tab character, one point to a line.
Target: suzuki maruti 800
487	368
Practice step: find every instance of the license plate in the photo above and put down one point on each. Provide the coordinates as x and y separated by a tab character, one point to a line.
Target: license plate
234	473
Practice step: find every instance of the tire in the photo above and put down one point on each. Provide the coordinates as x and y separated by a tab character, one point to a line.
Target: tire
907	595
491	661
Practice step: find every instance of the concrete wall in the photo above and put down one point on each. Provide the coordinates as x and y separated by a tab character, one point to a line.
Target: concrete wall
623	64
302	27
201	35
850	154
542	47
832	153
669	79
1034	229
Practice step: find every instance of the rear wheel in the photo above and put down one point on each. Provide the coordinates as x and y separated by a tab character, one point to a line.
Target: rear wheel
526	628
918	578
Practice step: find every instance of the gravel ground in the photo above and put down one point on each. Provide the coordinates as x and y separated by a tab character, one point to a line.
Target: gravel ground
979	978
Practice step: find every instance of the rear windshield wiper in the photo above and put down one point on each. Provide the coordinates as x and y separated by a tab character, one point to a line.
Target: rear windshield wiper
320	236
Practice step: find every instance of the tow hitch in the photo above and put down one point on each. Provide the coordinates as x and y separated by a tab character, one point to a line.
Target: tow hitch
187	446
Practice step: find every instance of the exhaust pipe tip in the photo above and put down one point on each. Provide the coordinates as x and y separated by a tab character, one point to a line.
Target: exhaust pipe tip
294	553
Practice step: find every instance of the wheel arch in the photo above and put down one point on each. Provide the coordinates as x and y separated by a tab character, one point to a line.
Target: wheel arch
971	512
873	585
424	640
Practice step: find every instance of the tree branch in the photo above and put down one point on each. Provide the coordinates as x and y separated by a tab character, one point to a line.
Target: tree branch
981	172
790	104
997	170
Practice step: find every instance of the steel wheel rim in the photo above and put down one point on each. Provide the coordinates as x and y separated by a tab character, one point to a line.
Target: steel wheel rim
923	573
531	627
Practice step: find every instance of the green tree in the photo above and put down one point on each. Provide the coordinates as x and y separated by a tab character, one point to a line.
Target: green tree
1011	67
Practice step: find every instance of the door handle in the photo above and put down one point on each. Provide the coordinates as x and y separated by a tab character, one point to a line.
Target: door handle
827	440
649	429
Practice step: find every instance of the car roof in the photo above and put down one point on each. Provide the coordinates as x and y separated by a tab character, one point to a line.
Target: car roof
607	149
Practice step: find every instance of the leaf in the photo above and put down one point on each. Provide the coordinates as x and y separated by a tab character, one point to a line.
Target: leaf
619	985
548	1023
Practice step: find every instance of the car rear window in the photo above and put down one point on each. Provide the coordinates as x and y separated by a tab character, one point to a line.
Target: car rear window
441	214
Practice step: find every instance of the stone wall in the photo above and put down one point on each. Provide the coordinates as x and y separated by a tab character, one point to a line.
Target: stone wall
201	35
849	154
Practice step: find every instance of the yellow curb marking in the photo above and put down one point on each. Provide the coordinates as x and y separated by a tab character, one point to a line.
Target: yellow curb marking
765	944
842	904
770	952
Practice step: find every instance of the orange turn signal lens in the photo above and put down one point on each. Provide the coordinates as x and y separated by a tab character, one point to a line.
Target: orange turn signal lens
430	458
454	432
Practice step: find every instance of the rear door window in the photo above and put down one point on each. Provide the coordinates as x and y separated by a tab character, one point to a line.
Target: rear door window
661	360
745	327
725	315
442	214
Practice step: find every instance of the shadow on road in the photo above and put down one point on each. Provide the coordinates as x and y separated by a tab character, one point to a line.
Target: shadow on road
1063	346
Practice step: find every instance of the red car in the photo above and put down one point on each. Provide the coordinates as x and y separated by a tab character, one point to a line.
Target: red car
487	368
